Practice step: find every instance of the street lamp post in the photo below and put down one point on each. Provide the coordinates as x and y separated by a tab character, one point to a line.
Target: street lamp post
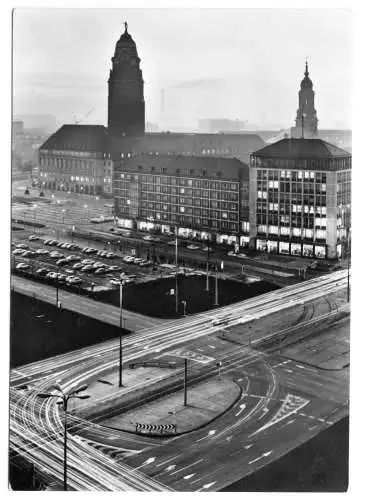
216	302
63	399
35	217
121	330
348	263
176	274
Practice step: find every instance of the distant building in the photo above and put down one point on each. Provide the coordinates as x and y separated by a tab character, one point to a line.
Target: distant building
205	198
17	127
209	125
306	122
300	198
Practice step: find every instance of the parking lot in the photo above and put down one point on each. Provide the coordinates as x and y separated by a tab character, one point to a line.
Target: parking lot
82	267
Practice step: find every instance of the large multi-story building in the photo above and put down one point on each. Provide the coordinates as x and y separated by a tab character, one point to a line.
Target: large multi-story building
300	198
204	198
75	159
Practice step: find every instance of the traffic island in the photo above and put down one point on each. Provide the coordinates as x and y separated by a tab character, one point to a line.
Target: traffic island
168	415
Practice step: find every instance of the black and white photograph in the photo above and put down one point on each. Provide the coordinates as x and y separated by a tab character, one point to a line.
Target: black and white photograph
180	248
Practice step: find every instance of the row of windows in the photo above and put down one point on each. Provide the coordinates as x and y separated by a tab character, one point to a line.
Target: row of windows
192	221
295	175
196	203
174	181
321	163
318	234
68	152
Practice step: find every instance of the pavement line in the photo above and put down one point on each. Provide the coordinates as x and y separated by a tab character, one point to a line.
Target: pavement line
186	467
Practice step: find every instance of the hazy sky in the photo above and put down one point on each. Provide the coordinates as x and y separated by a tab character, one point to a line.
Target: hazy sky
233	63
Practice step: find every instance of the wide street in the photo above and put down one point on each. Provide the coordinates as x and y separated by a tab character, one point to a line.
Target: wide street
282	404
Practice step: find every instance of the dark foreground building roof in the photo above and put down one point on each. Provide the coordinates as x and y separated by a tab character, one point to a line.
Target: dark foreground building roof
301	148
231	145
78	138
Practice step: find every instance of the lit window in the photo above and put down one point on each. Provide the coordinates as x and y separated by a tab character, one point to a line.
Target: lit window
312	175
306	174
182	209
224	215
77	178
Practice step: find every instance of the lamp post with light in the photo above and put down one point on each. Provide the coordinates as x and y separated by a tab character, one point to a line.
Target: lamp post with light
63	399
122	282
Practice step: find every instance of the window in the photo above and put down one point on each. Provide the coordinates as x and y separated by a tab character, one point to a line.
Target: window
182	209
224	215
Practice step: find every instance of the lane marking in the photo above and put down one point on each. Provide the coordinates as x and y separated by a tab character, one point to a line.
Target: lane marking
186	467
189	476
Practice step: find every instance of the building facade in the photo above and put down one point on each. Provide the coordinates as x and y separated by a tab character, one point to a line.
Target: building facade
203	198
300	198
306	122
75	159
126	106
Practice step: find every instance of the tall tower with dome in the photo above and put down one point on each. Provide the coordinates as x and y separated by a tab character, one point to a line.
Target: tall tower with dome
306	122
126	105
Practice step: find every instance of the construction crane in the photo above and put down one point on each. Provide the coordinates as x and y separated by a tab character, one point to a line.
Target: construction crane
82	119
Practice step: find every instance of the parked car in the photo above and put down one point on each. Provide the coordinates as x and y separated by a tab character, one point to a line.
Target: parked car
86	262
69	271
73	258
73	280
110	255
42	271
19	251
79	265
114	282
56	255
52	275
33	237
145	263
21	245
22	266
100	270
29	254
91	250
87	269
148	237
128	258
138	260
61	262
208	249
114	268
42	251
193	247
171	242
